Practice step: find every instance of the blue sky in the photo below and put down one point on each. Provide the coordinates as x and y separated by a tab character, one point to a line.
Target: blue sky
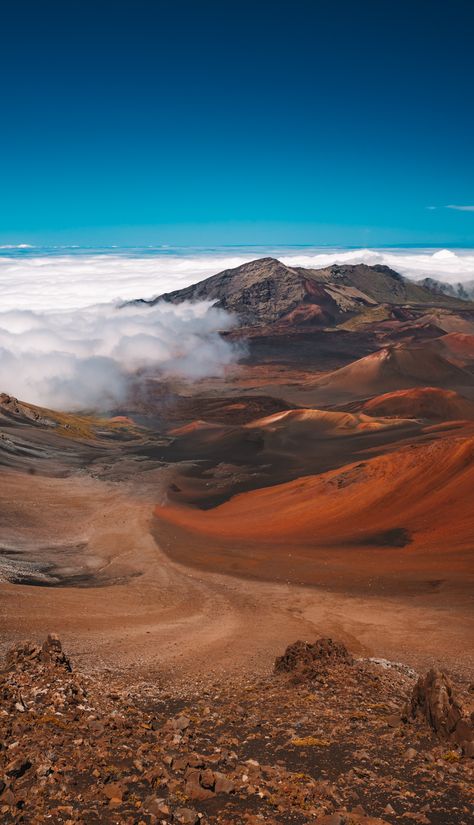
237	122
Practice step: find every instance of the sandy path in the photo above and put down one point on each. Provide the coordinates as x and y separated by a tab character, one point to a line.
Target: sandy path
181	623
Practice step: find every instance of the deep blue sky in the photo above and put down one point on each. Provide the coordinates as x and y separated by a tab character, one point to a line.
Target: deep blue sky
144	121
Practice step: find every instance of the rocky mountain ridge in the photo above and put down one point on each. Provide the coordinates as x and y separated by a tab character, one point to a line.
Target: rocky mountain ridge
266	291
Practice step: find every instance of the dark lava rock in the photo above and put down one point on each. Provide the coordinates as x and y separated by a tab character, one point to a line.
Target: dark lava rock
18	767
52	652
25	655
305	658
433	698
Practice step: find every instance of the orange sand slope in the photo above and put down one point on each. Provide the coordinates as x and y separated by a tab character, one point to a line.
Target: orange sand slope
394	368
422	492
431	403
320	422
310	440
457	347
306	421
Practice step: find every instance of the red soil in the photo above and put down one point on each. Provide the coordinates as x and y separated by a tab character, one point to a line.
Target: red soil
423	491
311	422
431	403
394	368
458	348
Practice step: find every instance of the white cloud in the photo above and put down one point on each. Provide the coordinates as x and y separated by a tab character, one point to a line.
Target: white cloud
16	246
86	358
75	281
460	208
64	343
442	264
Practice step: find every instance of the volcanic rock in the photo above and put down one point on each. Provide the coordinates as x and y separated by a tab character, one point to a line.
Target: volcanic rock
349	818
85	747
27	654
223	784
306	660
266	291
197	784
186	816
12	407
17	767
52	652
433	698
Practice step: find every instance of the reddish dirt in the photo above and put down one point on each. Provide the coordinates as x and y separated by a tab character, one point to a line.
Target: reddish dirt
420	490
431	403
353	522
393	368
322	740
458	347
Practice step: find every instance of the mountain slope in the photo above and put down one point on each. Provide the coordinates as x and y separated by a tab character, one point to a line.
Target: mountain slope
431	403
265	290
416	493
460	290
395	368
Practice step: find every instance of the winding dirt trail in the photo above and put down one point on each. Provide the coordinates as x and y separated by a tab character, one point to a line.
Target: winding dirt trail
153	616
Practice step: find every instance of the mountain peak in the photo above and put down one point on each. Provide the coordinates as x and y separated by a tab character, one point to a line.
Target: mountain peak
265	290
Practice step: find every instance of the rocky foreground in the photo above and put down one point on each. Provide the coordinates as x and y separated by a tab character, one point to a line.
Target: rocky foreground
323	740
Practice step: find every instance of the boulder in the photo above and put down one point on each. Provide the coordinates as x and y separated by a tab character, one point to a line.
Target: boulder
26	655
433	698
307	659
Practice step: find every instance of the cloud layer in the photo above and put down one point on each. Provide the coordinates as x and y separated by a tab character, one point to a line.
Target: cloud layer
74	281
86	358
460	208
64	343
443	264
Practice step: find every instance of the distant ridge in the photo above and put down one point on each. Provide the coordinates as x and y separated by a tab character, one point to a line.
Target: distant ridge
266	291
459	290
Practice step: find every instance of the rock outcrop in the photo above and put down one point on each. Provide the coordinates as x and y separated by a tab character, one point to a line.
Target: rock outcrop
305	660
26	655
434	700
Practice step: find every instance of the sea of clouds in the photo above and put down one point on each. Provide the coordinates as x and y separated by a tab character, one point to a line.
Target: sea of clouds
66	341
89	358
31	279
